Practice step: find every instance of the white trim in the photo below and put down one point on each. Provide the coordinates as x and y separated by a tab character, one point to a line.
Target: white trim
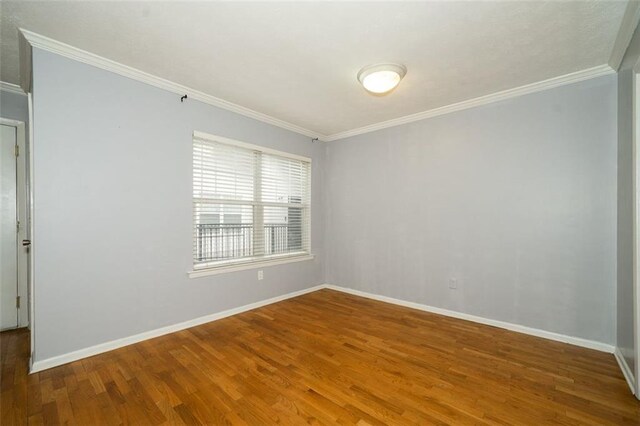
626	371
119	343
590	344
629	23
11	88
233	142
482	100
30	235
25	56
63	49
635	196
221	269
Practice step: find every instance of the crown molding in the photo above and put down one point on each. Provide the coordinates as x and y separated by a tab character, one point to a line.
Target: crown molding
63	49
482	100
627	27
11	88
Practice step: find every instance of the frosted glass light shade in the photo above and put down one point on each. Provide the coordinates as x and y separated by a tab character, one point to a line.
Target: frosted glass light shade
381	78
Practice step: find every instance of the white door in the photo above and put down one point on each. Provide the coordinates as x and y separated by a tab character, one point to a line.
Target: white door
8	231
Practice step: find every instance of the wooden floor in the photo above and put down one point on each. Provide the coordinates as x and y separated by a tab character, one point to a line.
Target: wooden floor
328	358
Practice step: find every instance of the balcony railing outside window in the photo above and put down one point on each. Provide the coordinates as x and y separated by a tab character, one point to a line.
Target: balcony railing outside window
231	241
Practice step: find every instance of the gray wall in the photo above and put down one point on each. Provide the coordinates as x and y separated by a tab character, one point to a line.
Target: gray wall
516	200
14	106
625	320
112	186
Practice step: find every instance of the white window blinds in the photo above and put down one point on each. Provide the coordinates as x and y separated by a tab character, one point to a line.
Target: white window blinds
249	203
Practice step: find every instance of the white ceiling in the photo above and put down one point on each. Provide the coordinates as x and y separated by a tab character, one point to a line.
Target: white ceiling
298	61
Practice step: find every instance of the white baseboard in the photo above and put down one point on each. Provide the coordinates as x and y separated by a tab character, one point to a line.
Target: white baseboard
603	347
115	344
626	371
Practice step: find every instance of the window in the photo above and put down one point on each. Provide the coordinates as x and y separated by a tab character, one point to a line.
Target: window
250	204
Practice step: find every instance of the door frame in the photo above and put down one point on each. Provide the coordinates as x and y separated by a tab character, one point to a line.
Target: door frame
22	210
635	135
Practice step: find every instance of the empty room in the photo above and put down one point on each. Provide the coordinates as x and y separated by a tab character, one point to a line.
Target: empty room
320	212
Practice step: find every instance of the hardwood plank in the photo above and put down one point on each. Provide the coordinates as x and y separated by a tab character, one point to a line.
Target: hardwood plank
323	358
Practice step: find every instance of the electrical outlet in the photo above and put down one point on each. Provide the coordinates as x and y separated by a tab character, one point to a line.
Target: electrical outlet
260	275
453	283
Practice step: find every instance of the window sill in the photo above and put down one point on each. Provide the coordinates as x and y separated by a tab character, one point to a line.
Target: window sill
215	270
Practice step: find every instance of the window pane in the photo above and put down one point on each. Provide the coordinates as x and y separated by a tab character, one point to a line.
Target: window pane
284	230
222	231
284	180
223	172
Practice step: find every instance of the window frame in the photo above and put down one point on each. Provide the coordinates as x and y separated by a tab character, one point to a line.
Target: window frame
238	264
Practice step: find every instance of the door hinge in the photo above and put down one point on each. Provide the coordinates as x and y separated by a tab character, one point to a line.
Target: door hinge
17	226
18	302
17	150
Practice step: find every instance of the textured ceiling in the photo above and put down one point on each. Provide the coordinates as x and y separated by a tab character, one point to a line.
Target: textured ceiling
298	61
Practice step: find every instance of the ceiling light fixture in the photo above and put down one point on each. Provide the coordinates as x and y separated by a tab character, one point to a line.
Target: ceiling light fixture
381	78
